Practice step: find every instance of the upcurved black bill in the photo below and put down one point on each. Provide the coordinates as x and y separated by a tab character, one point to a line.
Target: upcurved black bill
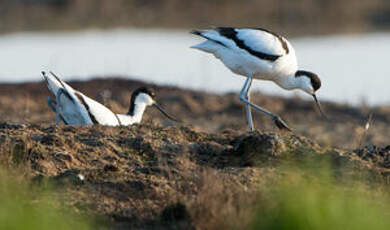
165	113
319	107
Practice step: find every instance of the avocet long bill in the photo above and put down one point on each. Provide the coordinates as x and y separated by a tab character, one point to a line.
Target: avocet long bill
74	108
257	53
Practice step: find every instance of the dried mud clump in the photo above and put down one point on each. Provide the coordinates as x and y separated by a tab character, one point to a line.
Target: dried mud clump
377	155
257	148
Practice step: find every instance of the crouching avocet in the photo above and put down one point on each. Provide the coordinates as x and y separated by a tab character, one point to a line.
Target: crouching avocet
74	108
259	54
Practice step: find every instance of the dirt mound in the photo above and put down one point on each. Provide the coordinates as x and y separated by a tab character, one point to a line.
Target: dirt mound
152	177
205	174
26	104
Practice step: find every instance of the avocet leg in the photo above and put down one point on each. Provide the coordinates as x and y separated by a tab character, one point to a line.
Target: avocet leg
51	103
58	117
245	94
244	98
248	108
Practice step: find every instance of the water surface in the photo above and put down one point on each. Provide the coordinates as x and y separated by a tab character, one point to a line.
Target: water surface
353	69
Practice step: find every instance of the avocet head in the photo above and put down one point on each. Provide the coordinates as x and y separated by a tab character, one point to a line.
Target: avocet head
309	82
146	96
143	95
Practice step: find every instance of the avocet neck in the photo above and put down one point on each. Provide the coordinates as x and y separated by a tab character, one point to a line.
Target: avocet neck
139	110
136	118
288	82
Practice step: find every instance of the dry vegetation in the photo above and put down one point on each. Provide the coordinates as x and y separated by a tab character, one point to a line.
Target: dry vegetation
209	175
154	177
293	17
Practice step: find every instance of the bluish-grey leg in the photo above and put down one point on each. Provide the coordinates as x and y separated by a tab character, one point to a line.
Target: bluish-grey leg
244	97
244	93
57	110
248	108
51	103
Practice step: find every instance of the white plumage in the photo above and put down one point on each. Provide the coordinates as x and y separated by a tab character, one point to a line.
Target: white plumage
75	108
258	54
68	106
278	61
262	41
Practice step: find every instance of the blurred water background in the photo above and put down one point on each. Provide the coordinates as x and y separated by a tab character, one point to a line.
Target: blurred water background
351	67
345	42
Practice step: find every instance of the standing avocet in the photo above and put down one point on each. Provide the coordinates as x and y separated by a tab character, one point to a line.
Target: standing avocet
260	54
74	108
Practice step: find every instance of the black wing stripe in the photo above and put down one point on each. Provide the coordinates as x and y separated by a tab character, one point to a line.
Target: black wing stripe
58	79
231	33
65	91
281	39
80	97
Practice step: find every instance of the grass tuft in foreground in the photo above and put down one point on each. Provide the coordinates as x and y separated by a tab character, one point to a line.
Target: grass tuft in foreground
27	208
311	202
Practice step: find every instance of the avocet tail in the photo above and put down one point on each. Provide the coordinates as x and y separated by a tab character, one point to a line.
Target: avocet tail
213	40
197	32
53	82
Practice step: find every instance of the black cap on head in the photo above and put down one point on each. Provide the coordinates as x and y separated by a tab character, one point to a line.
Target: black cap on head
150	92
314	79
145	90
315	83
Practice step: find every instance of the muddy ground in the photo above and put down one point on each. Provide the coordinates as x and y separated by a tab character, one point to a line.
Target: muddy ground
26	103
203	174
